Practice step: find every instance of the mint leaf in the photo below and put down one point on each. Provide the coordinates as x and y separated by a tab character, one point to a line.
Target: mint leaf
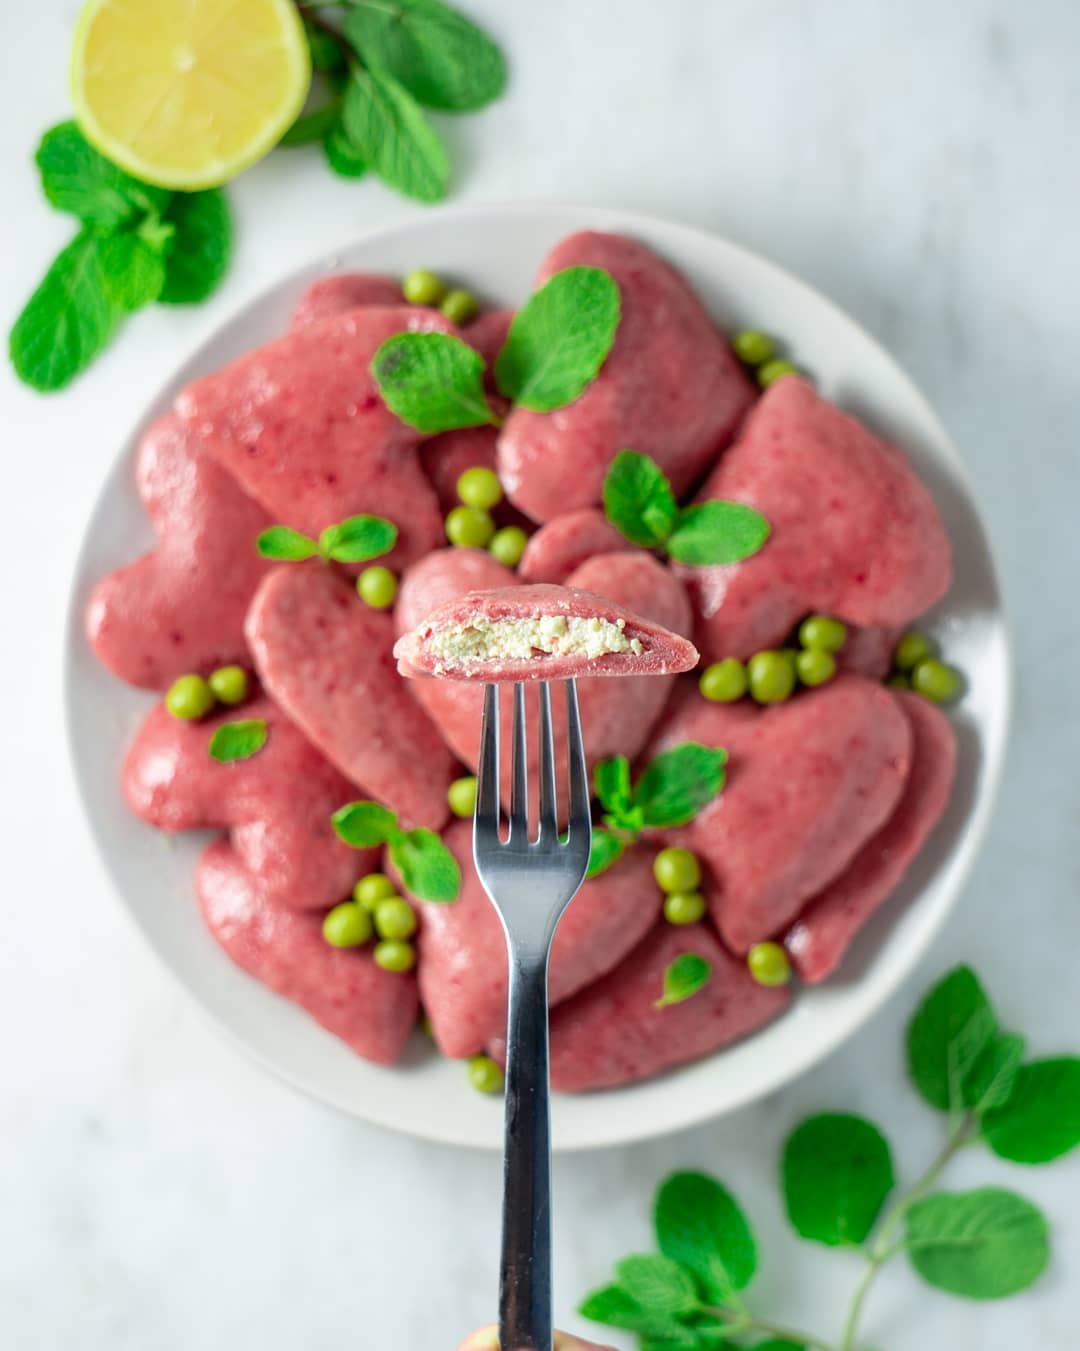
342	156
658	1284
326	51
432	381
605	852
1040	1120
611	782
993	1074
79	179
392	135
982	1244
285	544
428	869
362	825
684	977
837	1172
678	783
613	1307
238	740
134	270
312	126
357	539
946	1036
638	500
699	1225
717	532
201	247
559	339
67	321
441	58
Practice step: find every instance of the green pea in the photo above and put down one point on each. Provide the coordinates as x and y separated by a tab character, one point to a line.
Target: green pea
684	907
899	681
815	667
469	527
768	964
937	682
485	1075
395	918
480	487
377	587
823	633
394	954
677	870
190	698
348	925
372	889
423	288
461	796
508	544
229	684
753	347
724	681
771	676
460	307
771	371
911	649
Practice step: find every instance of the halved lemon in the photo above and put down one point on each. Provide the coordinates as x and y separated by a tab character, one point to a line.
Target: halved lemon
186	93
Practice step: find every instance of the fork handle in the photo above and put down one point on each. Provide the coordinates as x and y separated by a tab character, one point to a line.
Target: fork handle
525	1272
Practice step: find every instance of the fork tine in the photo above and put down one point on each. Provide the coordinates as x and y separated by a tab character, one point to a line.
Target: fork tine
486	819
579	780
519	772
548	806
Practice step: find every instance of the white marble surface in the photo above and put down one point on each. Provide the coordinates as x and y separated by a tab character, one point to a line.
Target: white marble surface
918	163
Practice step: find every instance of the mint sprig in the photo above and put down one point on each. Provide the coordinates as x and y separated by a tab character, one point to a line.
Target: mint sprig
428	869
355	540
238	740
390	133
839	1190
432	381
639	502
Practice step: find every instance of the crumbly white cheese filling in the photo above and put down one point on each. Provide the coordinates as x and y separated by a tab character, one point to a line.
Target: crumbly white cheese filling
483	639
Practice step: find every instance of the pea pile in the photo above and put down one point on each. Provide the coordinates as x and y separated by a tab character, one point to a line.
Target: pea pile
758	351
471	525
425	288
916	666
375	911
191	697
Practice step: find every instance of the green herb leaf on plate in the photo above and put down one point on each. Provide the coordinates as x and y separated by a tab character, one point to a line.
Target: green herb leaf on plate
611	782
709	533
201	246
638	500
679	783
428	869
67	321
657	1283
559	339
238	740
993	1075
1040	1120
837	1172
286	545
357	539
605	852
983	1244
700	1226
342	155
363	825
442	58
612	1306
134	270
389	131
79	179
432	381
684	977
312	126
946	1036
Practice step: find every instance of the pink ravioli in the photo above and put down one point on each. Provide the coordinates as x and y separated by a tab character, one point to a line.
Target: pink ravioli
808	783
341	292
821	935
300	424
180	608
568	541
276	805
854	532
612	1033
670	387
463	976
653	650
371	1010
326	658
616	715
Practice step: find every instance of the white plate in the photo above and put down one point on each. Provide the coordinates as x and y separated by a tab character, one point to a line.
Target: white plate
496	249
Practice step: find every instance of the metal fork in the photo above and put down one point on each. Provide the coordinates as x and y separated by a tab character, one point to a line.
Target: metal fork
530	883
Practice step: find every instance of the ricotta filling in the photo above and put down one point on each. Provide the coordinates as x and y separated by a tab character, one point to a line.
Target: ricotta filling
482	639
